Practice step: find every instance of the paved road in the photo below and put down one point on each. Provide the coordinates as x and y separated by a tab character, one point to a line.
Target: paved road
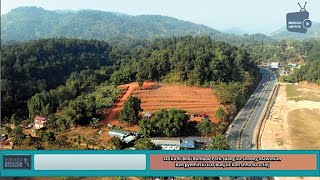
242	129
247	137
248	118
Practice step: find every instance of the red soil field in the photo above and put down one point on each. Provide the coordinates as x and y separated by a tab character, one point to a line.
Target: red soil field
194	100
155	96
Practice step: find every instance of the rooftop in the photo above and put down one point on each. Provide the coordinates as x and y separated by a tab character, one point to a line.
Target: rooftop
40	118
165	141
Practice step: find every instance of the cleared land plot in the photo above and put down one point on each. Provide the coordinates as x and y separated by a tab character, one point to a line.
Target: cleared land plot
155	96
303	92
194	100
304	128
294	124
92	136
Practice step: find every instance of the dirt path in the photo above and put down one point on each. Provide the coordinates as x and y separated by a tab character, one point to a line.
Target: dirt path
112	116
275	131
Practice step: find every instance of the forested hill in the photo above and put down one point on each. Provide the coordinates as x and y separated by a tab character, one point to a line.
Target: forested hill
34	66
49	73
30	23
27	23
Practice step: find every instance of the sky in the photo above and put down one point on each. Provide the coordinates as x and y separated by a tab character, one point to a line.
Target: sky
251	16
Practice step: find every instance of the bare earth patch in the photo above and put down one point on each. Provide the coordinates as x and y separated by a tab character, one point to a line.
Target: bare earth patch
194	100
301	120
303	91
294	124
155	96
91	135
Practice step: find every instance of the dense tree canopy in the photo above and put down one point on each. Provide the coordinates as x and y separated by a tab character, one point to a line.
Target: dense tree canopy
62	77
206	127
309	72
165	123
131	110
18	134
196	61
218	142
286	50
145	144
34	66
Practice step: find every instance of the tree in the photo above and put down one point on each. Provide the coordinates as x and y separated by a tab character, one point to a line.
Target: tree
240	101
140	81
218	142
121	77
169	123
145	144
7	129
28	68
205	127
131	110
309	72
220	114
94	123
146	127
18	134
117	143
49	137
14	120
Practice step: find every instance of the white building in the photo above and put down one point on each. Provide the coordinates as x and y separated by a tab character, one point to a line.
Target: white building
118	133
180	143
274	65
124	136
167	143
40	121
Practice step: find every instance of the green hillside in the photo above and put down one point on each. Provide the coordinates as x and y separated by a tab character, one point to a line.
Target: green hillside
26	23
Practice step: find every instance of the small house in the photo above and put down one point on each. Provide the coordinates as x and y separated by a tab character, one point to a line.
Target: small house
40	121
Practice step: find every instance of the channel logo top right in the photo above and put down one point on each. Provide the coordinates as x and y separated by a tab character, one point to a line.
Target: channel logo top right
299	22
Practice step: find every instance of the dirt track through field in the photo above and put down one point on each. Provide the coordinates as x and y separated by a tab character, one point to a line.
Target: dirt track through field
112	116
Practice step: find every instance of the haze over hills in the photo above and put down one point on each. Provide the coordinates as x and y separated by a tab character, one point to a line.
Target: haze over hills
234	30
313	32
27	23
